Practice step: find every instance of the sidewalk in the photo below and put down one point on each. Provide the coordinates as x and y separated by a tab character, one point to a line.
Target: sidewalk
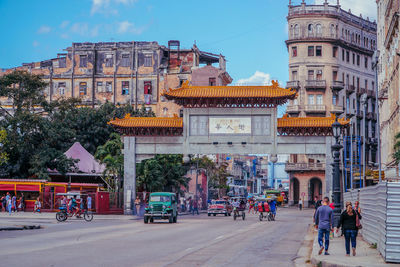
366	256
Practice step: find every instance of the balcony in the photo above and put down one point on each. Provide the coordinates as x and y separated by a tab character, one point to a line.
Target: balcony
293	84
293	109
295	167
315	108
349	89
370	115
371	93
337	85
361	91
315	84
337	109
360	114
349	113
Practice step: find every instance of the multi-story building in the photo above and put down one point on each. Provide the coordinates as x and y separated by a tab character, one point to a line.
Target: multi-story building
388	80
133	73
330	65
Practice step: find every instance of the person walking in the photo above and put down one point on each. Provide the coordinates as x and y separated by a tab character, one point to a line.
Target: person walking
89	203
324	224
300	204
22	202
348	222
9	205
7	198
137	205
195	207
38	205
14	203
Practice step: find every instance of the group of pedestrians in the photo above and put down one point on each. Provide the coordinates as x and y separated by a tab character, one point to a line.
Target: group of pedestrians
190	205
10	204
349	223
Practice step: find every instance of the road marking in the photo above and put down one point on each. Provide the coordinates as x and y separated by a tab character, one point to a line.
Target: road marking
221	236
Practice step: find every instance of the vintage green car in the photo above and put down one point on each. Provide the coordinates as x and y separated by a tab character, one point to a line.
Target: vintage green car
162	205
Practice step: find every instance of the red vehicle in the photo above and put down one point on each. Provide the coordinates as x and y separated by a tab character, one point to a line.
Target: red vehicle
220	206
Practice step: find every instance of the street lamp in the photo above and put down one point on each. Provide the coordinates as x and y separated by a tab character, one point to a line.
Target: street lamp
336	129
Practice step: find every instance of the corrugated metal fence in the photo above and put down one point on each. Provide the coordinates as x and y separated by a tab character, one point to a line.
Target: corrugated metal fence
380	206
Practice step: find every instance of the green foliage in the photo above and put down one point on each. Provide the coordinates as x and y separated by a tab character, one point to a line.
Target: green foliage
162	173
111	155
3	140
396	154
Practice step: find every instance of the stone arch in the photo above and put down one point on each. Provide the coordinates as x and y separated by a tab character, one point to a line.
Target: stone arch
310	30
294	191
318	30
296	30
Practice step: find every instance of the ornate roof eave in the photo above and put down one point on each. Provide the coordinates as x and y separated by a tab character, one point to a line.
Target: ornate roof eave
308	126
230	96
148	126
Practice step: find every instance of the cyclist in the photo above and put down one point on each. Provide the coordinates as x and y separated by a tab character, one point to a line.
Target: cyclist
74	206
272	207
236	205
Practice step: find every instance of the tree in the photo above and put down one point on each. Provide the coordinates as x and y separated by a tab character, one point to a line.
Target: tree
3	154
396	154
162	173
217	173
110	154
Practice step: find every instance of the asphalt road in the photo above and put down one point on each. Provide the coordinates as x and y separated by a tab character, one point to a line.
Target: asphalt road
193	241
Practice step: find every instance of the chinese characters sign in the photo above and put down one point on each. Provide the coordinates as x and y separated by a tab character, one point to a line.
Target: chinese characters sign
230	125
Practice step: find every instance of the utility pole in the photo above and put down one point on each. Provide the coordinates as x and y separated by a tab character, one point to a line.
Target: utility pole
364	105
378	126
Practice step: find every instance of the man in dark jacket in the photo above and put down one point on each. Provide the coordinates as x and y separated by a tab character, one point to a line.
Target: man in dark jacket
324	223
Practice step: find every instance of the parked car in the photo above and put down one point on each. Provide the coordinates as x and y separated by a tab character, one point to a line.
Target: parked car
220	206
162	205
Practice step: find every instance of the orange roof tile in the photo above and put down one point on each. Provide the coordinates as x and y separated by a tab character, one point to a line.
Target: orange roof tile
187	91
312	122
147	122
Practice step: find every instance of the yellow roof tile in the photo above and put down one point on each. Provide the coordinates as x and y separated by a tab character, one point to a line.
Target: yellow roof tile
147	122
312	122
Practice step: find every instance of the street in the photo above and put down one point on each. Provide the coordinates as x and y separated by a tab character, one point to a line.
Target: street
193	241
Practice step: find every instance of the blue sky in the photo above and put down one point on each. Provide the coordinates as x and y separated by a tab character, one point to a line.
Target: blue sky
251	36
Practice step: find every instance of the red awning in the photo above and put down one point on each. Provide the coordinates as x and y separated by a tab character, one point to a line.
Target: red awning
26	187
6	187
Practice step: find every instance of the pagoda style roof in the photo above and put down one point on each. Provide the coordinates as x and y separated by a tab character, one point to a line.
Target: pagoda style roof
230	96
148	126
308	125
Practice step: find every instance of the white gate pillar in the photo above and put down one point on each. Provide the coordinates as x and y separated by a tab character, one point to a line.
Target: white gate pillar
129	174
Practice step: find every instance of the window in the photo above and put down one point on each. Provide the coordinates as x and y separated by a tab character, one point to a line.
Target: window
181	113
342	54
294	158
212	81
109	87
320	100
62	62
147	92
366	62
296	30
109	60
318	51
358	60
366	84
373	85
348	103
125	87
295	102
334	51
358	83
165	111
347	56
334	100
100	87
294	51
82	88
310	30
294	75
354	58
61	88
310	75
334	75
311	51
319	75
83	61
147	61
318	28
125	60
332	30
311	99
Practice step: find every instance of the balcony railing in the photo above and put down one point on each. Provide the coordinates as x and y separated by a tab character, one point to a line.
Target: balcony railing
290	167
293	109
315	108
360	114
315	84
337	85
371	93
349	89
293	84
361	91
337	109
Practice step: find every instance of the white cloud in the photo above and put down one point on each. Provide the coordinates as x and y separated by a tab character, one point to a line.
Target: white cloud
35	44
108	6
64	24
367	8
44	29
128	27
80	28
258	78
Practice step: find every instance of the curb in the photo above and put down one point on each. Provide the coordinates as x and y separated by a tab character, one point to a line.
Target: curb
23	227
305	251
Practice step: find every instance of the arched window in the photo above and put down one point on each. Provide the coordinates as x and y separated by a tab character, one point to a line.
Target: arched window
310	30
332	30
318	28
291	33
296	30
